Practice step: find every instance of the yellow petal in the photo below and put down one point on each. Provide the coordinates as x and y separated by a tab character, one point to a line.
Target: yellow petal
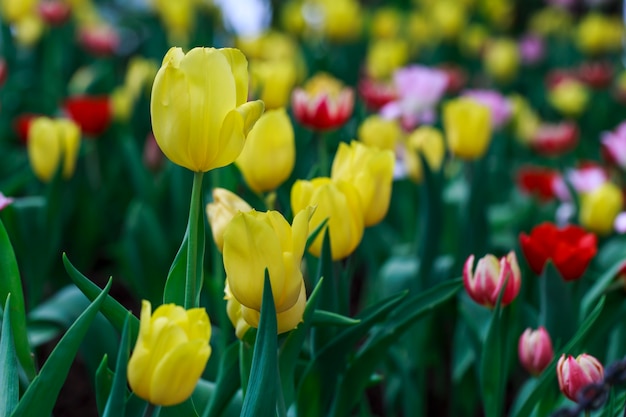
239	67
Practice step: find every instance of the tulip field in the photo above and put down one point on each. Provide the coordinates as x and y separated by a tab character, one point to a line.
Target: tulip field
312	208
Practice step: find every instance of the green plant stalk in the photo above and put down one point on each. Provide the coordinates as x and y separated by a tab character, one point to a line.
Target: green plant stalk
194	266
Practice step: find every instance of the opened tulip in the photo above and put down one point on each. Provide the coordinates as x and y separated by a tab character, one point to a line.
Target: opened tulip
491	277
600	207
339	202
221	211
269	154
254	242
575	374
370	171
535	350
467	125
200	116
171	352
570	249
429	142
53	143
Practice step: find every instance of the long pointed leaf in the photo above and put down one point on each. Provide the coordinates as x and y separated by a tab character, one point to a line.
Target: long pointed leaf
9	383
227	382
115	406
104	380
41	395
175	285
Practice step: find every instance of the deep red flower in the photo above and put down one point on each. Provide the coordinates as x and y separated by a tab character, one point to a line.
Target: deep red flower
457	78
596	74
538	181
570	249
100	40
4	70
323	104
376	94
557	76
555	139
92	113
54	12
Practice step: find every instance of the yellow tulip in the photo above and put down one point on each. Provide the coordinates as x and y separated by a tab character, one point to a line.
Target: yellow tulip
138	73
370	171
385	56
254	242
122	103
474	39
337	201
342	20
269	155
50	143
428	141
273	81
600	207
28	30
551	21
200	116
221	211
449	17
13	11
525	120
386	23
502	60
598	34
570	97
467	125
378	132
171	352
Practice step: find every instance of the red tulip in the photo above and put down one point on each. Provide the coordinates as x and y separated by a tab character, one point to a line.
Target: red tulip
54	12
570	249
323	104
100	40
538	181
598	74
376	94
92	113
535	350
575	374
555	139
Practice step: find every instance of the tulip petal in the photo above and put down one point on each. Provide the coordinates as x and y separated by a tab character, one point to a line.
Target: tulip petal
239	67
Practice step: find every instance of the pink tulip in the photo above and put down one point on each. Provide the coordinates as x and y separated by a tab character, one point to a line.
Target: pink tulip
485	284
535	350
575	374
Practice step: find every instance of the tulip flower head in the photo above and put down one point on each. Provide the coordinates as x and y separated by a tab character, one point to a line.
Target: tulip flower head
569	97
268	156
199	108
501	60
570	248
535	350
429	141
553	139
600	207
491	277
378	93
222	210
575	374
92	113
467	125
614	145
376	131
53	143
323	103
499	106
171	352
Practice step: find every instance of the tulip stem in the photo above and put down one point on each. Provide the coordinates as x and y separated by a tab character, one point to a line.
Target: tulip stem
322	162
151	410
194	258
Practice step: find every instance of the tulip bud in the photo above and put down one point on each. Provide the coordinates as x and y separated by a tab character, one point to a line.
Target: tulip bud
429	141
52	143
569	97
370	170
385	56
222	210
501	60
535	350
273	81
255	242
574	374
467	125
92	113
486	283
268	156
600	207
378	132
200	116
171	352
335	200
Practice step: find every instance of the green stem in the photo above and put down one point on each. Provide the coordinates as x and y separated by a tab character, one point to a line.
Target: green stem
323	162
152	410
194	265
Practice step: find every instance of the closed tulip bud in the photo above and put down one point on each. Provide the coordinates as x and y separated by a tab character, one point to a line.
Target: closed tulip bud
200	116
255	242
28	30
378	132
501	60
570	97
268	156
342	20
171	352
428	141
12	11
53	144
233	311
222	210
598	33
467	125
385	56
574	374
449	18
600	207
273	81
337	201
535	350
386	23
486	283
370	170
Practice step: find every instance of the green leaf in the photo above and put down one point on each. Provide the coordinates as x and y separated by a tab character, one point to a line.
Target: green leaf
12	284
357	376
227	382
327	318
262	393
523	407
599	287
111	308
9	383
104	380
41	395
328	299
558	308
174	291
315	232
184	409
115	406
491	363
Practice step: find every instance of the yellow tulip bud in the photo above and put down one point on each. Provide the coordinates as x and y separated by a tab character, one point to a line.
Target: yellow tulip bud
385	56
200	116
12	11
378	132
28	30
449	17
501	60
421	31
598	34
570	97
467	125
386	23
122	103
337	201
370	170
221	211
139	72
525	120
551	21
342	20
50	143
254	242
474	39
171	352
269	155
273	81
428	141
600	207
